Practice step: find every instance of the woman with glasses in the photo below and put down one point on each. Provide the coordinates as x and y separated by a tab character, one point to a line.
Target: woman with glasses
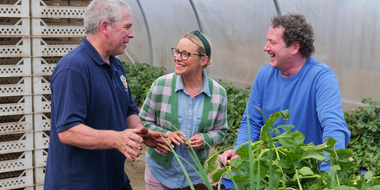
185	104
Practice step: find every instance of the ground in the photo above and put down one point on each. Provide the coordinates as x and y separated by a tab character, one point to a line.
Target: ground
135	170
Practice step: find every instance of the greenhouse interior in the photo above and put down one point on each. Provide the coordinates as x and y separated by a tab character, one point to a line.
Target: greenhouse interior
36	34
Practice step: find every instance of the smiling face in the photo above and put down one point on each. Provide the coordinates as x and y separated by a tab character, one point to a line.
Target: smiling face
194	64
119	34
281	56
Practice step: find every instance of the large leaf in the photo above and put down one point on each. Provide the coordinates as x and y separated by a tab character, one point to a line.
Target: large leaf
292	156
291	140
330	144
368	175
273	118
242	151
312	154
218	174
264	133
211	163
344	159
306	171
332	177
284	164
286	127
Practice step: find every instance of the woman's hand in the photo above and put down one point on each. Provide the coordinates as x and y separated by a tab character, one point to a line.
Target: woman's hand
175	137
196	141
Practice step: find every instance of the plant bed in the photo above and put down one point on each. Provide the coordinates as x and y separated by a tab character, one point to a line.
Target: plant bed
140	77
292	165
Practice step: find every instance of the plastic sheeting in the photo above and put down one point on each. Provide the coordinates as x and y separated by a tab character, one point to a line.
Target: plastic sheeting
345	31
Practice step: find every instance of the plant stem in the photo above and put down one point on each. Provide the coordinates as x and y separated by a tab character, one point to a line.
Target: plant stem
275	149
251	171
298	179
180	163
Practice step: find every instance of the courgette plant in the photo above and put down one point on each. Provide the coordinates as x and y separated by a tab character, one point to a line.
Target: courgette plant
285	162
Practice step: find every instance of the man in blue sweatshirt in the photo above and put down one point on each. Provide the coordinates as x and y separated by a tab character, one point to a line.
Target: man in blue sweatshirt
296	81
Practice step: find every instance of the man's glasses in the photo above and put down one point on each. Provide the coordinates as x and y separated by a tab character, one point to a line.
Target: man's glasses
184	55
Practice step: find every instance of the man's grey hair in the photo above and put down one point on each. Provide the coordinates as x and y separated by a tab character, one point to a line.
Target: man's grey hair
103	10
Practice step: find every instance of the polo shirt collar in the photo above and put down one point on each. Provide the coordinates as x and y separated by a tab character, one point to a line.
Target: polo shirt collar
205	88
95	54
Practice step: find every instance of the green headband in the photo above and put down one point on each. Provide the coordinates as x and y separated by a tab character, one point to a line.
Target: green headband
204	41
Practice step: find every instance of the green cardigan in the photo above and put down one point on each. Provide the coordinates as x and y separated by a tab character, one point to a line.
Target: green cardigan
160	111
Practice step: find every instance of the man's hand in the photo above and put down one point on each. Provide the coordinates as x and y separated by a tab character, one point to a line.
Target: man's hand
153	139
127	142
226	156
195	141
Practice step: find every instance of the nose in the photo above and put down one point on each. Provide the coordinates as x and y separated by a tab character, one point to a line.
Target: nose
131	34
266	47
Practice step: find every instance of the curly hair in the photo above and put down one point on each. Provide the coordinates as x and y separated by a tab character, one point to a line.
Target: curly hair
297	29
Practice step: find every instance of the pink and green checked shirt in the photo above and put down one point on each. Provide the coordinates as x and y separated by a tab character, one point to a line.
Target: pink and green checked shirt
160	112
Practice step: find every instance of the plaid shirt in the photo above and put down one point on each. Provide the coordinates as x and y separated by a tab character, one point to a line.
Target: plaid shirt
160	112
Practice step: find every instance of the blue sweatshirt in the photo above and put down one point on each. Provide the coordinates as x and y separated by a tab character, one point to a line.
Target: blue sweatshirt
312	97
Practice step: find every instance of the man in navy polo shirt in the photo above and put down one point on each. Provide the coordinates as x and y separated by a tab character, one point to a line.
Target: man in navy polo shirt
94	121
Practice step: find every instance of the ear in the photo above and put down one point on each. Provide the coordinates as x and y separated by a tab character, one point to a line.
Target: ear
296	48
204	60
103	27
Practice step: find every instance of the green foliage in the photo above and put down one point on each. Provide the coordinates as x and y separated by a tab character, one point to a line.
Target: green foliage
237	99
294	164
364	124
140	78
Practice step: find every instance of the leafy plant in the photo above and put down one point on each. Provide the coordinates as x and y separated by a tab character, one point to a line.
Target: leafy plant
294	164
140	78
364	124
200	170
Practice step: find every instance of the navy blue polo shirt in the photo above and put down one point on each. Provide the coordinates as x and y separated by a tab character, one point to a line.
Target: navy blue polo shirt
87	90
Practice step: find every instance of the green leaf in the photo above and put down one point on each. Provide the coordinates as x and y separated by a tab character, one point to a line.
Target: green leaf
376	187
330	144
211	163
242	151
306	171
273	118
218	174
343	187
368	175
291	140
312	154
286	127
277	132
292	156
264	133
344	154
284	115
284	164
